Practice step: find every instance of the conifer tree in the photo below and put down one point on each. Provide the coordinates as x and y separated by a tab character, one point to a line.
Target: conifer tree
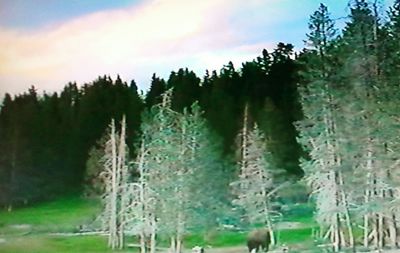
320	135
176	160
369	152
208	172
165	139
255	184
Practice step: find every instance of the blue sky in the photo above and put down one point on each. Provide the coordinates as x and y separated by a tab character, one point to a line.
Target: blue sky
47	43
36	13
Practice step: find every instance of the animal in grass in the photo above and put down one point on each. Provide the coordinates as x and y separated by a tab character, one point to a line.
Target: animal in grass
258	239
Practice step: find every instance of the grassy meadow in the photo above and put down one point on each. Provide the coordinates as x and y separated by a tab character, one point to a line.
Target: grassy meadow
36	229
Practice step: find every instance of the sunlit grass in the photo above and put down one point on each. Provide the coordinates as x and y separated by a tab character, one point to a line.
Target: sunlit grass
62	215
28	229
57	244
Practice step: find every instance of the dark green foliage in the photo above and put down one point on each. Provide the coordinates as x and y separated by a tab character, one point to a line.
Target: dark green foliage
268	85
45	140
157	87
186	89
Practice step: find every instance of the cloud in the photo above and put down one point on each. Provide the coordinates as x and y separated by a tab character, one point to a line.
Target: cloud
153	36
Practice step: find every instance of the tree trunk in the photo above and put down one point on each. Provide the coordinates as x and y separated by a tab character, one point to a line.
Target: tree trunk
153	235
121	181
113	237
271	231
346	212
392	231
366	215
375	231
337	226
173	245
336	242
381	223
178	244
142	242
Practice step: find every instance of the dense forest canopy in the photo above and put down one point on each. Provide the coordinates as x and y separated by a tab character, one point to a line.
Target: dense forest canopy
46	138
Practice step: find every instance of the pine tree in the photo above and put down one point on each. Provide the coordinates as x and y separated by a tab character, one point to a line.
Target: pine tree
208	172
164	138
157	88
321	136
255	184
370	146
176	160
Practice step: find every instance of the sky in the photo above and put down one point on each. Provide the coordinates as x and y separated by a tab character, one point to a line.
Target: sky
48	43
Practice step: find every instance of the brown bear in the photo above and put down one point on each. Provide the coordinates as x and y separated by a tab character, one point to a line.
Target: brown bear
258	239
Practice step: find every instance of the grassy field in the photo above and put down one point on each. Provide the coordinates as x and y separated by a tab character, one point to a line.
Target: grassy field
30	230
62	215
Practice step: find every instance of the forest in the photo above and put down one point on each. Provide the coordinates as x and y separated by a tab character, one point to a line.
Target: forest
194	151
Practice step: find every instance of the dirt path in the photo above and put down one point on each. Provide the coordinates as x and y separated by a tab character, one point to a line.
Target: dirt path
236	249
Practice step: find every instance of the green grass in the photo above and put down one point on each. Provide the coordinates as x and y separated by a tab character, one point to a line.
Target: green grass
28	229
66	214
228	239
295	235
57	244
62	215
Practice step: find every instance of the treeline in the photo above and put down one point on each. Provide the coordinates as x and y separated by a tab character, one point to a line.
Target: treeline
45	138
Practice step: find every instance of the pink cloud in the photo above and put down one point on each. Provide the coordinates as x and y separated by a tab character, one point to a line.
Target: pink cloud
155	36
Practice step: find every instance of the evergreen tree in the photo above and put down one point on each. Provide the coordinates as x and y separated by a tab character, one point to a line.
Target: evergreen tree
320	134
157	88
255	184
186	89
209	172
369	148
178	158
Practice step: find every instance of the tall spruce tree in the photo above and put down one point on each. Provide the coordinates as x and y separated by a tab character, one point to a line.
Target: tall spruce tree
320	135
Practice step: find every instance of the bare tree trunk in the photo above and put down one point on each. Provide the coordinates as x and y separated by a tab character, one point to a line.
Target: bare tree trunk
337	226
179	230
381	224
328	233
142	242
112	241
153	234
346	212
366	230
375	231
366	215
392	231
173	245
179	243
392	226
142	200
337	243
391	222
342	239
271	230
